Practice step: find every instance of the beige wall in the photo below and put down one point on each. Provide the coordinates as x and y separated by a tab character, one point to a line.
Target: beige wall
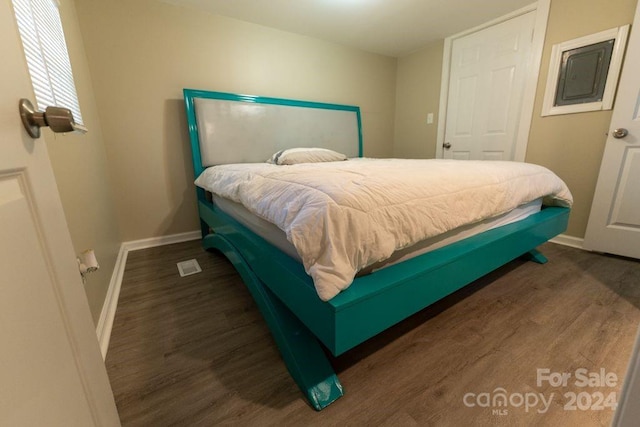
418	94
79	164
143	53
572	145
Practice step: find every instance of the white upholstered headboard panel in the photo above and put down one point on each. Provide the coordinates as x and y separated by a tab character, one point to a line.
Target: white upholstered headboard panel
229	128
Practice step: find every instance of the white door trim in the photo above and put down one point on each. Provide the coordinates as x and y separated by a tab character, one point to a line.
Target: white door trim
531	81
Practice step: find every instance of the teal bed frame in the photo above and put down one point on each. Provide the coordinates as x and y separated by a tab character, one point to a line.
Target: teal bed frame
302	324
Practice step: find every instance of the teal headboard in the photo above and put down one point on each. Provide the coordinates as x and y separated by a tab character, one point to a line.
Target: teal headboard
230	128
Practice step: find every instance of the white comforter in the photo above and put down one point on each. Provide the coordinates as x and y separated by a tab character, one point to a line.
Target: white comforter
344	216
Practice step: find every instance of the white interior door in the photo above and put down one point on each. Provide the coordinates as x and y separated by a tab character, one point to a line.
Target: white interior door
614	222
486	86
51	369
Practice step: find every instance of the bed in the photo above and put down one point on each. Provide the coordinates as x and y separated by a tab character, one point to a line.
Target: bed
229	129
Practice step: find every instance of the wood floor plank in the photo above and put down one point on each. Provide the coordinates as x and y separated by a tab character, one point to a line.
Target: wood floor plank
195	351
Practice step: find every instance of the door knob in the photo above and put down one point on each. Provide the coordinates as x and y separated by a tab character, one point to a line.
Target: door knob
446	145
620	133
57	118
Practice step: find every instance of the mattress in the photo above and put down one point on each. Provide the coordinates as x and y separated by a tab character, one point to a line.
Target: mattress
278	238
382	205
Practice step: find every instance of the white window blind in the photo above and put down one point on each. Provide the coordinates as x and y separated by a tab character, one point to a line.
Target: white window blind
47	57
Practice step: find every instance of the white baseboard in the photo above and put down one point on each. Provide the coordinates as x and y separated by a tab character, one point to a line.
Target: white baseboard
574	242
108	314
152	242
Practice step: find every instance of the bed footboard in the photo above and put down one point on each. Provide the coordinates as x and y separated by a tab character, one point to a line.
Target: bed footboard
300	321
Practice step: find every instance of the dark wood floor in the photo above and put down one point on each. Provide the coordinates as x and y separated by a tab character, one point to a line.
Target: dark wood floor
195	351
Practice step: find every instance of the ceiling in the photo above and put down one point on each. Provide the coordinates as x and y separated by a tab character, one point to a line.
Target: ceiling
388	27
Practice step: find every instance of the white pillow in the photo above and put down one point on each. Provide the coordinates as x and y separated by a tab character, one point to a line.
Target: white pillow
294	156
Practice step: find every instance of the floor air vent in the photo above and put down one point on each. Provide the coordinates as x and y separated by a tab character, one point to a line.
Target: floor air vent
187	268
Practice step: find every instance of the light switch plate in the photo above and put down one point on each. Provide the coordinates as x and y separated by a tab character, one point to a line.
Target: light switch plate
430	118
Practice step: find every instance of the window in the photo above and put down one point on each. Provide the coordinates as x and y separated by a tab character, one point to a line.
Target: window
47	57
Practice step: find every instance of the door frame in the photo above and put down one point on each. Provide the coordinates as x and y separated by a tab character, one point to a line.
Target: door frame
541	7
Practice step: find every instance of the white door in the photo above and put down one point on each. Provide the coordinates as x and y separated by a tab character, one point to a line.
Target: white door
51	369
486	86
614	222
